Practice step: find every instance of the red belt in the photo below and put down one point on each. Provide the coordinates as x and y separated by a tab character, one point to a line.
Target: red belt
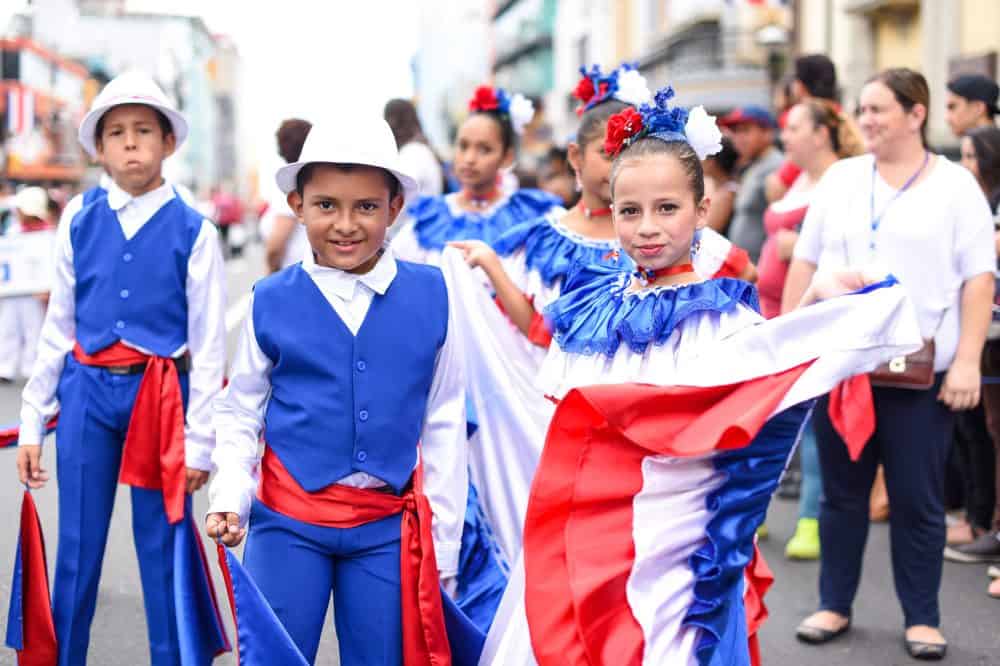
425	642
153	457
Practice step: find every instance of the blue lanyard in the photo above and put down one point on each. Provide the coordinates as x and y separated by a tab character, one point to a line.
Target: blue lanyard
877	220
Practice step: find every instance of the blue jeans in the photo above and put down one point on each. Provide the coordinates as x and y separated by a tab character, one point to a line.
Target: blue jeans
812	479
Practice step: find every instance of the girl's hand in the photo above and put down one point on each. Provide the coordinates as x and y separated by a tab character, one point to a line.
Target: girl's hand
960	389
225	527
477	253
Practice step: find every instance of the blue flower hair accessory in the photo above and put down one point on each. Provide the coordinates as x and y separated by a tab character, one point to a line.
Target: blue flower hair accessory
666	122
624	84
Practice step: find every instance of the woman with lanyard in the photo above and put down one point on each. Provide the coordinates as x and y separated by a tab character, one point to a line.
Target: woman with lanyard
924	220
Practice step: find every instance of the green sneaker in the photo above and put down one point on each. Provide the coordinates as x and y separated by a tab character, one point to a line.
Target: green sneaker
762	532
804	545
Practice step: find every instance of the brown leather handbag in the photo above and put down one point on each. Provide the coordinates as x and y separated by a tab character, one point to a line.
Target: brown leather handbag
913	371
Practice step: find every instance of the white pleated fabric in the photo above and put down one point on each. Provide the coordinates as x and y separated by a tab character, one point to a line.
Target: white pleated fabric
500	366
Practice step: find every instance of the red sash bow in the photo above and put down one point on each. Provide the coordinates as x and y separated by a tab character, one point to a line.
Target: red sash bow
425	642
153	457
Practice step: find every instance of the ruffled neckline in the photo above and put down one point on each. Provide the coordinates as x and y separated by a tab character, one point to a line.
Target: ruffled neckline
596	314
437	221
554	250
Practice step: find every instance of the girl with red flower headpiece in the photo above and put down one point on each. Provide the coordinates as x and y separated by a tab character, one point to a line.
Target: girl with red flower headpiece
677	408
481	210
528	267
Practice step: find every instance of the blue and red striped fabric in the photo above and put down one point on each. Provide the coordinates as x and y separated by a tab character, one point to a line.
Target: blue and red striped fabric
30	629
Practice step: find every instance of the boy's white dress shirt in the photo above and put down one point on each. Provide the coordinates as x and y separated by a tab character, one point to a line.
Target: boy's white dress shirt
240	409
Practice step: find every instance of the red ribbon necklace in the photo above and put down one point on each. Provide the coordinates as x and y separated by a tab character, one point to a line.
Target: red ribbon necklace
646	275
591	213
481	202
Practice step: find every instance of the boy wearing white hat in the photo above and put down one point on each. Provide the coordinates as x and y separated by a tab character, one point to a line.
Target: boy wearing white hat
131	353
21	316
347	362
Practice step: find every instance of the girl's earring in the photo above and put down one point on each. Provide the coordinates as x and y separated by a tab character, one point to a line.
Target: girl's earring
579	183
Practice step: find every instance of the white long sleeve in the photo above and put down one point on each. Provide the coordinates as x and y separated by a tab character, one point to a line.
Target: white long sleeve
444	453
238	417
38	400
206	298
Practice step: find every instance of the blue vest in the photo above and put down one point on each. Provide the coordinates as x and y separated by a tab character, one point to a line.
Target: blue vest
93	194
342	403
134	290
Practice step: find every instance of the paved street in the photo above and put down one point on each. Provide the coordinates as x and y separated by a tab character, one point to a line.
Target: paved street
971	619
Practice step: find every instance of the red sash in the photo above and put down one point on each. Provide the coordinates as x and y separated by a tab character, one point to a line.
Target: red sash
153	457
424	640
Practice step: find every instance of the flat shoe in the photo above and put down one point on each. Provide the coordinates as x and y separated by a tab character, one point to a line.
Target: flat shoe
819	635
925	651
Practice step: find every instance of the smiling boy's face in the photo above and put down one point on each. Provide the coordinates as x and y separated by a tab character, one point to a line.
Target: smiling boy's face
347	210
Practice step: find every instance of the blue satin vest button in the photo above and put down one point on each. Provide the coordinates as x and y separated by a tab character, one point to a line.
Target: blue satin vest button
362	456
363	415
123	293
119	324
127	257
361	366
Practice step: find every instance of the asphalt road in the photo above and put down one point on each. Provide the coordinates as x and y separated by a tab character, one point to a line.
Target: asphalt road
971	619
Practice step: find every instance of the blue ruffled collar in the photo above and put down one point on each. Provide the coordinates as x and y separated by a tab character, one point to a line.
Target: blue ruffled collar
439	220
554	250
596	315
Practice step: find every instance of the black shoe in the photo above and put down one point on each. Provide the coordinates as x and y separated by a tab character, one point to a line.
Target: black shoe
985	548
925	651
818	635
6	380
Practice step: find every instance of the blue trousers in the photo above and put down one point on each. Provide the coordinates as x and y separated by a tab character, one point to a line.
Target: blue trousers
912	437
95	410
297	566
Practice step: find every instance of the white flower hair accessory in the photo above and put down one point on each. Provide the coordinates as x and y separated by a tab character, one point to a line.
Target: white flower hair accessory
702	133
521	111
632	88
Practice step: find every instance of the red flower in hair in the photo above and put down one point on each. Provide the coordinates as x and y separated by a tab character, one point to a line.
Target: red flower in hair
485	99
621	126
584	90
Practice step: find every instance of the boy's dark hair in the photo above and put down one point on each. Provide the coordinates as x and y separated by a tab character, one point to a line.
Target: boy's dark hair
305	175
818	74
650	145
594	122
726	158
507	135
291	136
403	121
161	120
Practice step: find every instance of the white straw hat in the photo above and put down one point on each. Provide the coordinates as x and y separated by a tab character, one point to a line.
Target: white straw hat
33	202
129	88
356	140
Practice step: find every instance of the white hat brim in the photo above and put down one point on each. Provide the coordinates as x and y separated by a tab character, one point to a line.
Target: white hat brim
286	175
87	134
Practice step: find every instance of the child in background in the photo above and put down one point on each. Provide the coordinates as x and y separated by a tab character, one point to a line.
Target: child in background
481	210
21	316
131	353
